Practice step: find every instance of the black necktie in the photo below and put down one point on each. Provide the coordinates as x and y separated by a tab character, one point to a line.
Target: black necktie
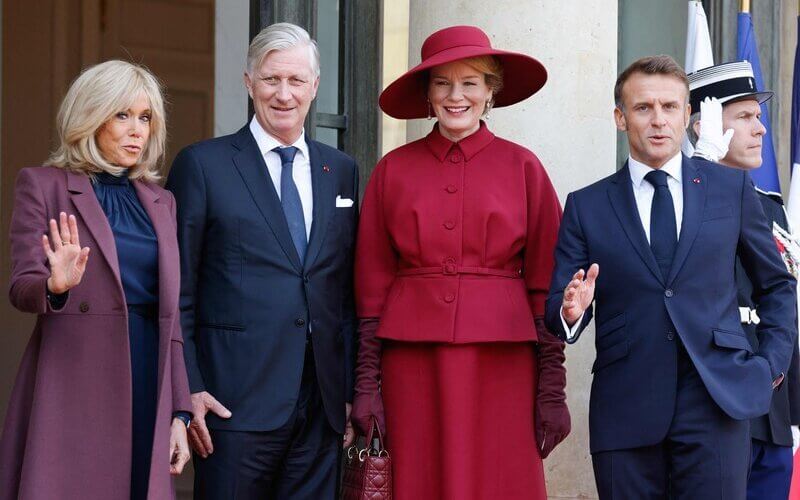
663	229
290	201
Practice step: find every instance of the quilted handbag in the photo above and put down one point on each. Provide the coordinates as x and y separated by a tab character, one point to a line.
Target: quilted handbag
368	472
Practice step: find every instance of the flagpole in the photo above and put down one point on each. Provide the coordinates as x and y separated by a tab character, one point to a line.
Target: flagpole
745	6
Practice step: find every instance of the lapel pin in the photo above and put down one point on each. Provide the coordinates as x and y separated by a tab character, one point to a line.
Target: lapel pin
326	168
696	180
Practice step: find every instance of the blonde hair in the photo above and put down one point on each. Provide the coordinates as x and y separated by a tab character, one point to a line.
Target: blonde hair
99	93
492	70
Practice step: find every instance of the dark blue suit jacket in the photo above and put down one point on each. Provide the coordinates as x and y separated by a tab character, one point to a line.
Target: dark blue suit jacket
246	299
640	313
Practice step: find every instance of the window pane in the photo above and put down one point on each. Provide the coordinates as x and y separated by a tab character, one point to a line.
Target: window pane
329	136
328	41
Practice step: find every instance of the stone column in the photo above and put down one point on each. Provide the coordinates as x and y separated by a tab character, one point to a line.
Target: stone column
568	124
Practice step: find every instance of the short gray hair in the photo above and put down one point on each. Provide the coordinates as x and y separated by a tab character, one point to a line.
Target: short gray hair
690	133
99	93
281	36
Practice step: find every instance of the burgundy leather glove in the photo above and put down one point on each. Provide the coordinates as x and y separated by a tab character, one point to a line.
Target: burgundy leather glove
367	402
552	414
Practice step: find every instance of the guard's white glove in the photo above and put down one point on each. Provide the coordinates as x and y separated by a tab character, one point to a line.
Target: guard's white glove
795	439
712	143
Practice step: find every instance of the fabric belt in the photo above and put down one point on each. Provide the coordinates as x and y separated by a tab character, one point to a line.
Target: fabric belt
748	316
454	270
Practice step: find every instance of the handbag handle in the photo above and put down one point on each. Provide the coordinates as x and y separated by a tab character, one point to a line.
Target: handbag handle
381	449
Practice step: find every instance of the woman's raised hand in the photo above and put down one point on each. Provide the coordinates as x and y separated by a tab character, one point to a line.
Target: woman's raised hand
66	258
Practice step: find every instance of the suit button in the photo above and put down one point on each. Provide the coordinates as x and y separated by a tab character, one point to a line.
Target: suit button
451	189
300	322
449	298
455	158
84	307
670	336
449	225
668	292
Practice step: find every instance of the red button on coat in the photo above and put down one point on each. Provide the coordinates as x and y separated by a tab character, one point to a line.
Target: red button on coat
449	224
451	189
449	298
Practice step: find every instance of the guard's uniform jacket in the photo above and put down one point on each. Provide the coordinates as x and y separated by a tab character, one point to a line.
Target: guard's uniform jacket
774	427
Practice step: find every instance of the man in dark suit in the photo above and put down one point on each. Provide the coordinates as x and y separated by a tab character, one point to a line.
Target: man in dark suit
266	226
675	378
726	126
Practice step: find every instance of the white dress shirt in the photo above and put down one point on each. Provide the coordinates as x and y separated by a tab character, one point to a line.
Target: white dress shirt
301	167
643	193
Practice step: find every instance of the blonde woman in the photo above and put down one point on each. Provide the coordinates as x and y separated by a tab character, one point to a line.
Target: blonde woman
101	401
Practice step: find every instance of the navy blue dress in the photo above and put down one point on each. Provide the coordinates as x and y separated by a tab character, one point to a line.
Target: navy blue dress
137	251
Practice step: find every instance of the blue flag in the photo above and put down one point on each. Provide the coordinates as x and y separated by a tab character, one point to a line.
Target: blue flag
796	106
793	208
766	177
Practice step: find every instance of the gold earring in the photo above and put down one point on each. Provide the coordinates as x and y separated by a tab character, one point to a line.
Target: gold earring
488	108
430	110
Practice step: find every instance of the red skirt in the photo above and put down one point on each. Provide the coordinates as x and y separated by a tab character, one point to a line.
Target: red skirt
459	421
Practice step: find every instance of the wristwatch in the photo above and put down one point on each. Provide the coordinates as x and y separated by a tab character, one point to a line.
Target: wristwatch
184	417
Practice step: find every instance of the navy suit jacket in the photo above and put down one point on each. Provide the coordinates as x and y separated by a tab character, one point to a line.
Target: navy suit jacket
640	313
247	301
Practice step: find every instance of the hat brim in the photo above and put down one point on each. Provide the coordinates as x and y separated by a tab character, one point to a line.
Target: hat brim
405	98
761	97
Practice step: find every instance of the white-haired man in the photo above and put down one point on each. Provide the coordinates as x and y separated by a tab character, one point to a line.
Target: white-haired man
266	226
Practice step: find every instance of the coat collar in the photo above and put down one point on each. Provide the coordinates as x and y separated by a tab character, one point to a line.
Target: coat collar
168	282
620	194
471	145
85	201
323	188
251	166
694	199
624	204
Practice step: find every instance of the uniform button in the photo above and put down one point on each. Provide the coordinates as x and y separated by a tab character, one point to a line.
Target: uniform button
449	224
84	307
451	189
300	322
449	298
668	292
670	336
455	158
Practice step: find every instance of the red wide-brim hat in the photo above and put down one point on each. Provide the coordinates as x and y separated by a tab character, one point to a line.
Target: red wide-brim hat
406	97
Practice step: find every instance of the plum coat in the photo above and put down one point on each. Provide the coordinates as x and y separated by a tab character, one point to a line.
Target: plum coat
67	432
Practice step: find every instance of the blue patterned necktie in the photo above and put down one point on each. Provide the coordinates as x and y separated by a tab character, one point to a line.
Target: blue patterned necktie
663	228
290	201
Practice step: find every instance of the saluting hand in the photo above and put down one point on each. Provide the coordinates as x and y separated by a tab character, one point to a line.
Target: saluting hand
66	258
578	294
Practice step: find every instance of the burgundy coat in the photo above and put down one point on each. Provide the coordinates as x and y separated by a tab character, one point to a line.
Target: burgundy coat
455	241
67	432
